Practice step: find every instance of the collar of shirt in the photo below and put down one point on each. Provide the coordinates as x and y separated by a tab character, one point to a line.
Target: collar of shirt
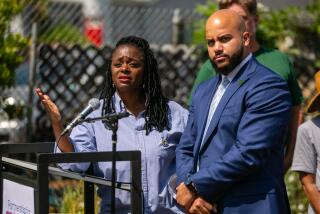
120	107
234	72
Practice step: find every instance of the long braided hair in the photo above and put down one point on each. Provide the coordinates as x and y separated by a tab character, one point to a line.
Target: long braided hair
156	113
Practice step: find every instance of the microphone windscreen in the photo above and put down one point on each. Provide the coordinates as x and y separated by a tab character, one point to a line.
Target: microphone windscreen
94	103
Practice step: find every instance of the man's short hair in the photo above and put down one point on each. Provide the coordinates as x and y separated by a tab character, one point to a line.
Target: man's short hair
249	5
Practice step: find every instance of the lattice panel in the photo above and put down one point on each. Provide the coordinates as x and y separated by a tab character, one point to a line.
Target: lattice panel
178	66
71	75
305	78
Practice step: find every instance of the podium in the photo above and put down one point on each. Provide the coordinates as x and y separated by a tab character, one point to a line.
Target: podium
42	168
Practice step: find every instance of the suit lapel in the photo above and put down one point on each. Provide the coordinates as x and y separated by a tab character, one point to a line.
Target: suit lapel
206	102
203	109
239	80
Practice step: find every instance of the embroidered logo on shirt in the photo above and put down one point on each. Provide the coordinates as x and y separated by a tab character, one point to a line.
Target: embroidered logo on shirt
164	142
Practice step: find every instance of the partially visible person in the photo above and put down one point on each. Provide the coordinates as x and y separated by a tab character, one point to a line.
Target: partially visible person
154	127
306	159
230	156
272	59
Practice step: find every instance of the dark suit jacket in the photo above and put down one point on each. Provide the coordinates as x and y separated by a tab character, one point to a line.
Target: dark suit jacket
241	158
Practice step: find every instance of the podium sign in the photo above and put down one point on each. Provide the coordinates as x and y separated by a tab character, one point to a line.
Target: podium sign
17	198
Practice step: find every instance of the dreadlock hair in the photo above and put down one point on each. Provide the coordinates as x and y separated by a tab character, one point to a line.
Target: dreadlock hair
156	114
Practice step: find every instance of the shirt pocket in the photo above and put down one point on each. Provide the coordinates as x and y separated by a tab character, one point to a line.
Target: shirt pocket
167	145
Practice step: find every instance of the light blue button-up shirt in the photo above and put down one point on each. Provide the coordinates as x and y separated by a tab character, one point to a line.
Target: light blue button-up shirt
157	157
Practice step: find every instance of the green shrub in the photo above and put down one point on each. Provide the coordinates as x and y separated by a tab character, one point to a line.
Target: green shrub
297	198
294	30
10	44
63	33
67	196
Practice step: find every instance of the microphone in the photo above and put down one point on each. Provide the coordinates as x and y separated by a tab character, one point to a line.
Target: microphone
116	116
107	118
93	104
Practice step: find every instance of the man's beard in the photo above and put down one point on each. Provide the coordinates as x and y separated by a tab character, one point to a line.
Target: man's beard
234	60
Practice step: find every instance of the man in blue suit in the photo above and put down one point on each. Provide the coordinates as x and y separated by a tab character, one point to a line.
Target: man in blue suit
230	157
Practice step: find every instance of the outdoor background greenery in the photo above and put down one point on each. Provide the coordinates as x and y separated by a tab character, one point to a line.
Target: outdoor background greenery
67	196
10	44
294	30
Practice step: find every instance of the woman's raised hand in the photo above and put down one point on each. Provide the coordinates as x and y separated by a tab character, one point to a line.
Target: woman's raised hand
51	107
55	117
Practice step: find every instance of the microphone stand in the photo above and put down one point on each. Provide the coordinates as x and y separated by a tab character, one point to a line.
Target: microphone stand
111	122
113	125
